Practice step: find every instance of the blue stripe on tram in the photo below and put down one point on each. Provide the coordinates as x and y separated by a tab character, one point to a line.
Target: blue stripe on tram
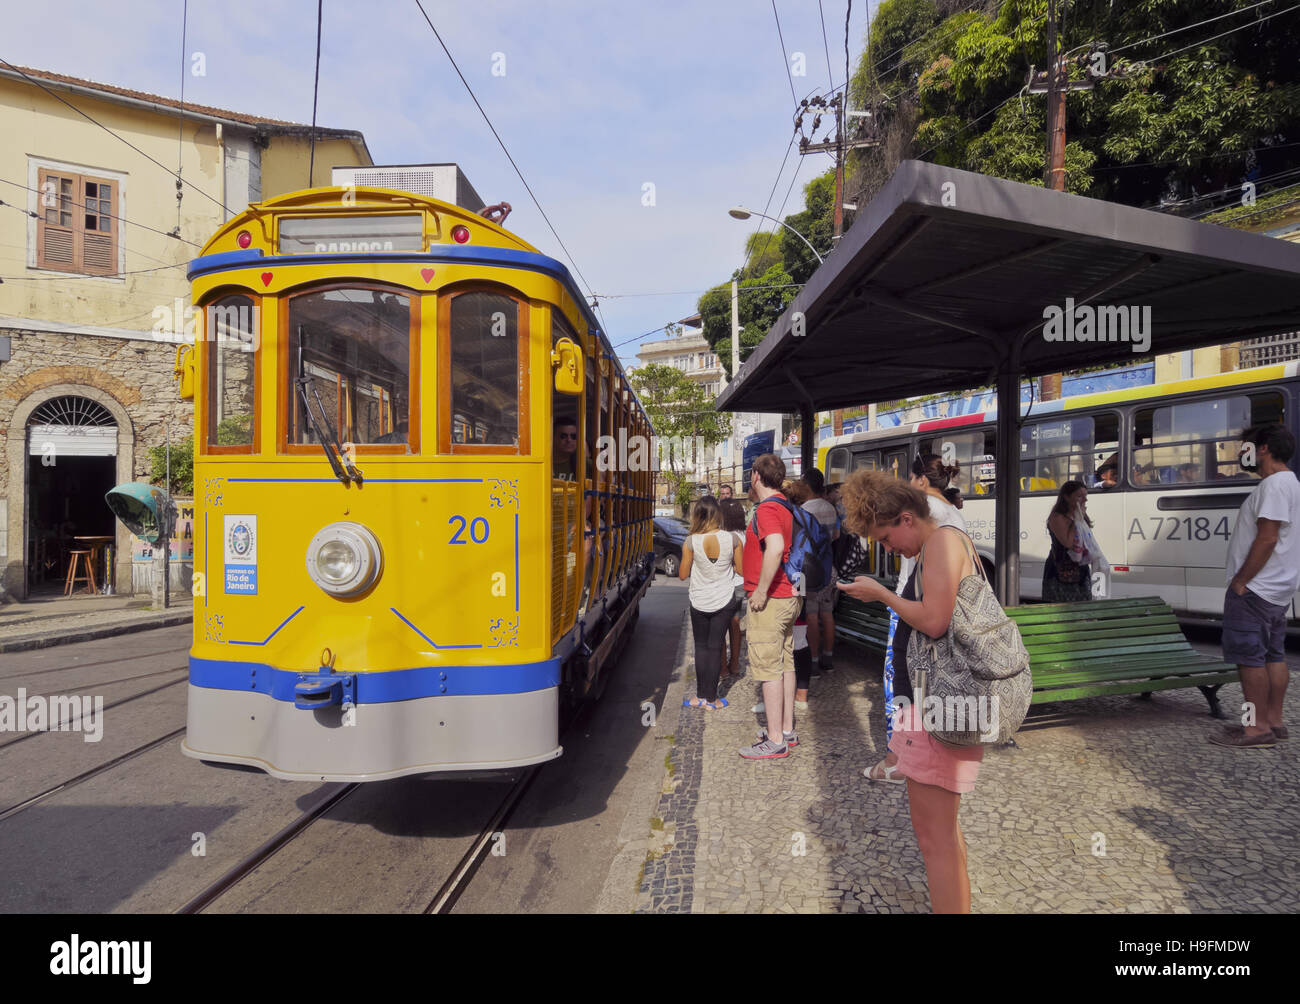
383	686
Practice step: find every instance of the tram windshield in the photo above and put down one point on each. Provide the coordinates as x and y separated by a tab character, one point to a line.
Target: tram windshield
354	346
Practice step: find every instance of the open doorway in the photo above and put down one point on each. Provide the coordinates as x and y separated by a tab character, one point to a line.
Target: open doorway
71	465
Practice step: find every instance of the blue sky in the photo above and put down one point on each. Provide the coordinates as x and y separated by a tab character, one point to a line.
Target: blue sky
597	100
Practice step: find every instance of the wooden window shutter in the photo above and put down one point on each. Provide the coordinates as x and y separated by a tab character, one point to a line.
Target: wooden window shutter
78	226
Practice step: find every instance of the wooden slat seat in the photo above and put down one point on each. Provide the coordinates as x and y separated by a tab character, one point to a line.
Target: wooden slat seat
1092	649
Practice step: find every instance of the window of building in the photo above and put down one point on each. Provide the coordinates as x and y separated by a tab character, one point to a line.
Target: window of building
1198	442
230	332
354	347
77	227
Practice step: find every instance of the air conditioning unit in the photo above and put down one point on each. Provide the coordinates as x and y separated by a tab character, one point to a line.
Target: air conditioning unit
440	181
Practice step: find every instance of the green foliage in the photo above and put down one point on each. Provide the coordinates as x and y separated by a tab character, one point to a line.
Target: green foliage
182	467
235	430
680	410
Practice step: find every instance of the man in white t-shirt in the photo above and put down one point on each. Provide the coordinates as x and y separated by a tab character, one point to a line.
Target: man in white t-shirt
819	606
1263	575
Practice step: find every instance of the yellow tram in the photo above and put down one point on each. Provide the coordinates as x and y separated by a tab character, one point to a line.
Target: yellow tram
400	566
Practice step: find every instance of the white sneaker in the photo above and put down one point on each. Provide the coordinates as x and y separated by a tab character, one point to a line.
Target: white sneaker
759	708
801	705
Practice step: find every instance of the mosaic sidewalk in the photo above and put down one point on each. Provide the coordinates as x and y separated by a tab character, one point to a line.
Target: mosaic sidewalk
1109	805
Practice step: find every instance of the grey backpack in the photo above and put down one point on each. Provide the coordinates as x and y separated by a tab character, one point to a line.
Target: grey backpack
972	686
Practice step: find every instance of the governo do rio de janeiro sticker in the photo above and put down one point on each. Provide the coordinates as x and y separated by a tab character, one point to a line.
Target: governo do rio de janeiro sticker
241	554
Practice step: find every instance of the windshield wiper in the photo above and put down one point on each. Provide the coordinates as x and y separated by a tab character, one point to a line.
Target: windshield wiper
343	468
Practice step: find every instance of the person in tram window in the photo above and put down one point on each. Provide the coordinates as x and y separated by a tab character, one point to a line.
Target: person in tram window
899	516
1263	570
1189	473
1066	575
564	458
1107	475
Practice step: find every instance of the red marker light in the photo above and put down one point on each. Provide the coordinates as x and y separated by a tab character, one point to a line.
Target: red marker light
244	239
460	234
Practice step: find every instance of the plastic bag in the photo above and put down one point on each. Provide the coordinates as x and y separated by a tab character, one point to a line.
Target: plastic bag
1091	554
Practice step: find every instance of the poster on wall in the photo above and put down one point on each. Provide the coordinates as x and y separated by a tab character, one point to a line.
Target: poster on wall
182	538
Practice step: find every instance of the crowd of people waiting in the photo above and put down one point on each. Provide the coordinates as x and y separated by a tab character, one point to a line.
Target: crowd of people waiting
736	567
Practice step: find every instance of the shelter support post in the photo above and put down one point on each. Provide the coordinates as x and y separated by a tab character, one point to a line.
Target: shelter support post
1007	508
807	437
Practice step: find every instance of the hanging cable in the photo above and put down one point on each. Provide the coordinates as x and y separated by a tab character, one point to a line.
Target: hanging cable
502	144
90	118
315	89
180	122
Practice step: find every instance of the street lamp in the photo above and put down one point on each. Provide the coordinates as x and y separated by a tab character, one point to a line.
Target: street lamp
741	213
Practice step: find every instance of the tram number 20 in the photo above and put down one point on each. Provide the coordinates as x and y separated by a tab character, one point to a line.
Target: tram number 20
478	530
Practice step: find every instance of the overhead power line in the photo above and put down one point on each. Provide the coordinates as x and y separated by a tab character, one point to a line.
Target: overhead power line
784	58
501	143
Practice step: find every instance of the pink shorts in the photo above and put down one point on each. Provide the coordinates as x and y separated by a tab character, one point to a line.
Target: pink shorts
927	761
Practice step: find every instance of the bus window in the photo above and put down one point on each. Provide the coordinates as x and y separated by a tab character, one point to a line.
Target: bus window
973	454
866	461
355	346
837	465
1198	442
1061	450
898	464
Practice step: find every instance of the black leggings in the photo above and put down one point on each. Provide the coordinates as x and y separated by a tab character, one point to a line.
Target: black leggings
710	631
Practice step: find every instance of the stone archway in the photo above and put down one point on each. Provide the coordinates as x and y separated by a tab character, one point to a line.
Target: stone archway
15	580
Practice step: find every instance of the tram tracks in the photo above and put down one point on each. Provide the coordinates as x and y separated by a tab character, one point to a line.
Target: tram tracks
85	776
63	723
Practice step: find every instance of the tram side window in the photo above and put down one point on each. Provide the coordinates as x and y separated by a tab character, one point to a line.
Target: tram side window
354	347
230	326
485	381
1198	442
973	453
1061	450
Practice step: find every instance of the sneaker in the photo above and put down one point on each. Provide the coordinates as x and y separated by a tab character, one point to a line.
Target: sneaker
791	738
759	708
765	750
824	663
800	705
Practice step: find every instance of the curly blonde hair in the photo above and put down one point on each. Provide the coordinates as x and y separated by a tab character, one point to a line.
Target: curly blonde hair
874	498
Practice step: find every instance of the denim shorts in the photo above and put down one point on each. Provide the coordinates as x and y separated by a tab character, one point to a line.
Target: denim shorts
1254	630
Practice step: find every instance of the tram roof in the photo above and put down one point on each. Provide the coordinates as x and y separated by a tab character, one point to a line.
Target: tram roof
945	269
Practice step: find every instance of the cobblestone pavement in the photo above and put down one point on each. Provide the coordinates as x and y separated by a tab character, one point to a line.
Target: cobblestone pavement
1109	805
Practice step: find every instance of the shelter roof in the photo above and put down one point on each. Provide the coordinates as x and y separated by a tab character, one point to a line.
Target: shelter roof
945	271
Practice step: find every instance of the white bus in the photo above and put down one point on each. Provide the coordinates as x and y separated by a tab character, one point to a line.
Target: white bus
1164	527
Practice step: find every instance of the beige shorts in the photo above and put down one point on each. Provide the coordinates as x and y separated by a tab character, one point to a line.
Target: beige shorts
771	638
820	602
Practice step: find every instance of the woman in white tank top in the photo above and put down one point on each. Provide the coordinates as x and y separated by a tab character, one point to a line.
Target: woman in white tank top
710	561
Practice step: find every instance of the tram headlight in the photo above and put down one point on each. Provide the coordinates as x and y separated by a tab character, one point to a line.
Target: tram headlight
344	559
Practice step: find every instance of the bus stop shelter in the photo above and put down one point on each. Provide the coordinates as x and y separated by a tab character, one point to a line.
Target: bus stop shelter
950	280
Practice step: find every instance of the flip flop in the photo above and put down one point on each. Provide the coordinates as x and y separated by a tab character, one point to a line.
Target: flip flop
717	705
689	703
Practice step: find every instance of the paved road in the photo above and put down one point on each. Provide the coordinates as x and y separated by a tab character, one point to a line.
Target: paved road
125	840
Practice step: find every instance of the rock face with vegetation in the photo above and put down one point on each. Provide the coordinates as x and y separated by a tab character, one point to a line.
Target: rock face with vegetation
1194	109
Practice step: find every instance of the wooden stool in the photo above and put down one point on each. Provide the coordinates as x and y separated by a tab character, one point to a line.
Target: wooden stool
69	587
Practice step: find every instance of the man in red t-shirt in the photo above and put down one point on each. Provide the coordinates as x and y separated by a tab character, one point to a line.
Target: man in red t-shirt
773	607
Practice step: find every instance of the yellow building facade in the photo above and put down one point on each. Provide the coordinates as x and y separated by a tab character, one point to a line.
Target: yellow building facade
94	245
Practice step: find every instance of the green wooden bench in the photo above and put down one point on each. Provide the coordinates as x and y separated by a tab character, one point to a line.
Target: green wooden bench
1125	646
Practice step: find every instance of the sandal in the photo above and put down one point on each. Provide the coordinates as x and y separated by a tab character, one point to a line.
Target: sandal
886	773
1239	740
717	705
690	703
